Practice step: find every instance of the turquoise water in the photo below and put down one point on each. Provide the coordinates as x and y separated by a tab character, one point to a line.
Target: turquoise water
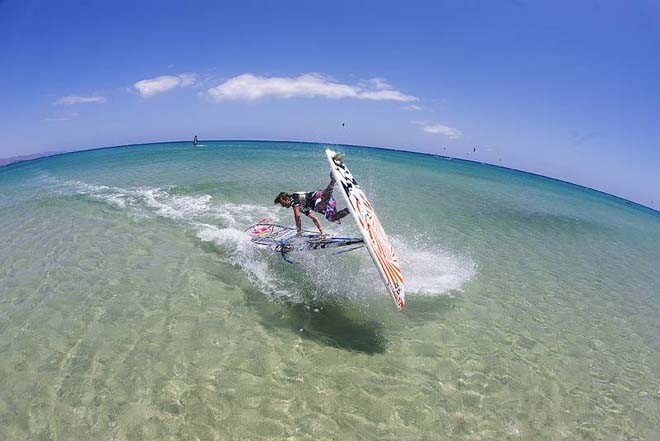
133	306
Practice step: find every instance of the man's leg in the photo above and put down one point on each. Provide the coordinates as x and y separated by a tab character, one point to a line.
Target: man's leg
327	193
340	214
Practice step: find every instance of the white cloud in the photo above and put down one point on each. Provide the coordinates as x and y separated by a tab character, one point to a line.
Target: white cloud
385	94
250	87
412	107
376	83
439	129
152	86
443	130
75	99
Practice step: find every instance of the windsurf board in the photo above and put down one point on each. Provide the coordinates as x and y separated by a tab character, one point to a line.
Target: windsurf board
377	242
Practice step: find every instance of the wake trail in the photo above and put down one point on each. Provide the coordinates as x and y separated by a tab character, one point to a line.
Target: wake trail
428	269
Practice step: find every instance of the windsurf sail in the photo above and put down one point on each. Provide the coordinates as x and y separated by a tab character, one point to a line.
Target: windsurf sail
375	239
284	240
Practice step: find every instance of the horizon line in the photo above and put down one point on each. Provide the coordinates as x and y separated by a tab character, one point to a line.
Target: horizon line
53	153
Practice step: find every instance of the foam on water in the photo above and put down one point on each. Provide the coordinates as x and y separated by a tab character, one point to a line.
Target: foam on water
164	203
195	212
253	261
430	270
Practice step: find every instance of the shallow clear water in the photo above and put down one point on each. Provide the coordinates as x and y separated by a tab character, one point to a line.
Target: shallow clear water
132	306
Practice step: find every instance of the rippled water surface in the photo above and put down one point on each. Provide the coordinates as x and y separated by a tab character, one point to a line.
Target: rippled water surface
133	306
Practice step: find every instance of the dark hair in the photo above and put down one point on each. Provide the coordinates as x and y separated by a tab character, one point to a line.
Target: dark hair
283	194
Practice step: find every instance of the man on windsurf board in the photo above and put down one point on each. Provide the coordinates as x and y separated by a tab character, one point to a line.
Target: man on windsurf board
320	201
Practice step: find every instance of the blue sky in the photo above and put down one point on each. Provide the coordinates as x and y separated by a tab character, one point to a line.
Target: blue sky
565	89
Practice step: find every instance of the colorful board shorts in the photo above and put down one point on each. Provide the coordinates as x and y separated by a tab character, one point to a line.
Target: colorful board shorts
329	210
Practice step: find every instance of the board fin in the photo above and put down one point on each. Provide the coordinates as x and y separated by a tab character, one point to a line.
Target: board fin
339	157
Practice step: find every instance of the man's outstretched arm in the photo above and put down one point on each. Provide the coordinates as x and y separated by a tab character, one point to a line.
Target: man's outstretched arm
296	215
316	222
